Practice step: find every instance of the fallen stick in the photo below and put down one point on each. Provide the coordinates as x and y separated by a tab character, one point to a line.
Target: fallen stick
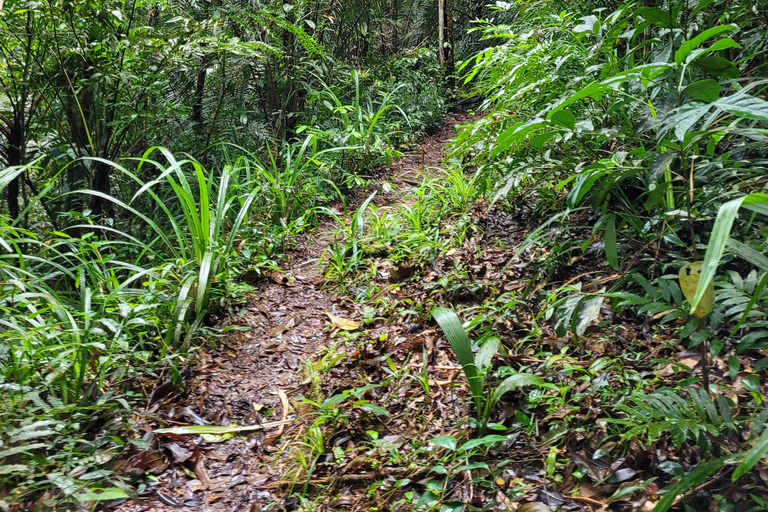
284	402
215	429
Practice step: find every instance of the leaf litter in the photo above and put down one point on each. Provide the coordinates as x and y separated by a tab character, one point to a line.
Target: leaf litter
375	392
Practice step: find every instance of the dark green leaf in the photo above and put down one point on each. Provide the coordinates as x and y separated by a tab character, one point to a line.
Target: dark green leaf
703	90
718	66
564	118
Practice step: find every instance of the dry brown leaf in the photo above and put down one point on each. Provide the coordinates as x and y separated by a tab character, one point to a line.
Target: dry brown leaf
343	323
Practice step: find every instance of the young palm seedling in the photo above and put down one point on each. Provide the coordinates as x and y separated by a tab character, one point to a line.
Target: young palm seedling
476	366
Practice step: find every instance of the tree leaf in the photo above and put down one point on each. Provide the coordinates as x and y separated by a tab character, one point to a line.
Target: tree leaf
744	105
659	17
757	201
749	254
718	66
589	311
687	47
689	276
214	429
483	441
688	115
513	382
564	118
699	474
704	90
106	494
343	323
462	348
447	442
611	250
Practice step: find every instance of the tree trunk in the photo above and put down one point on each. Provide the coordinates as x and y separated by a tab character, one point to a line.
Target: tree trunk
449	62
13	198
101	207
15	157
197	107
441	31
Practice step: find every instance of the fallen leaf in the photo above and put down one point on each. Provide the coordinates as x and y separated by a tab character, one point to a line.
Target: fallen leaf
217	430
202	473
280	329
534	506
180	454
343	323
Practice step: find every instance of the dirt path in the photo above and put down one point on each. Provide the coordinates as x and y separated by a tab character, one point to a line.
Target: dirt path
250	377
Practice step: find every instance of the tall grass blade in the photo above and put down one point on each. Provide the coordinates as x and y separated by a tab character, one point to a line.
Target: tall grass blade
758	202
462	347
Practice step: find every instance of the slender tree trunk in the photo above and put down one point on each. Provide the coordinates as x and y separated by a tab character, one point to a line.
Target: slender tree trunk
14	132
449	61
396	18
100	206
197	107
441	31
13	198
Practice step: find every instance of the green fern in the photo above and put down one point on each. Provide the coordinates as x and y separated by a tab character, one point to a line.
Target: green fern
307	41
695	419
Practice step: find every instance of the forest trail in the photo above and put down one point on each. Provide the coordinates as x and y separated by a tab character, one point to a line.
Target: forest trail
250	375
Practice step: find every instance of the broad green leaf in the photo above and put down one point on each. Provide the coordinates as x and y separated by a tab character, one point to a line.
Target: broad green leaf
106	494
718	66
645	72
753	456
699	474
483	441
756	295
462	348
564	118
472	465
749	254
719	238
213	429
447	442
513	382
704	90
515	134
589	311
542	138
659	17
744	105
688	115
689	276
13	469
486	352
690	45
8	174
588	22
375	409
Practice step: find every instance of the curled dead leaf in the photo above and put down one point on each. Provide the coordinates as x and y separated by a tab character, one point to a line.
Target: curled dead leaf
343	323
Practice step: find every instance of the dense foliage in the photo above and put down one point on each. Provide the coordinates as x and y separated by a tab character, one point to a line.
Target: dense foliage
159	156
114	248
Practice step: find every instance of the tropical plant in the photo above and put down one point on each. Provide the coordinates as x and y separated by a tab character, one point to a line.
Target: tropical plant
477	366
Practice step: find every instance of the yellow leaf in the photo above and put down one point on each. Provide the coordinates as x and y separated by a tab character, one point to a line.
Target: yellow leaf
343	323
689	281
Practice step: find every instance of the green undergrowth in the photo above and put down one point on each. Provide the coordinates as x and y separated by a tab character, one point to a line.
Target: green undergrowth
95	306
600	232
